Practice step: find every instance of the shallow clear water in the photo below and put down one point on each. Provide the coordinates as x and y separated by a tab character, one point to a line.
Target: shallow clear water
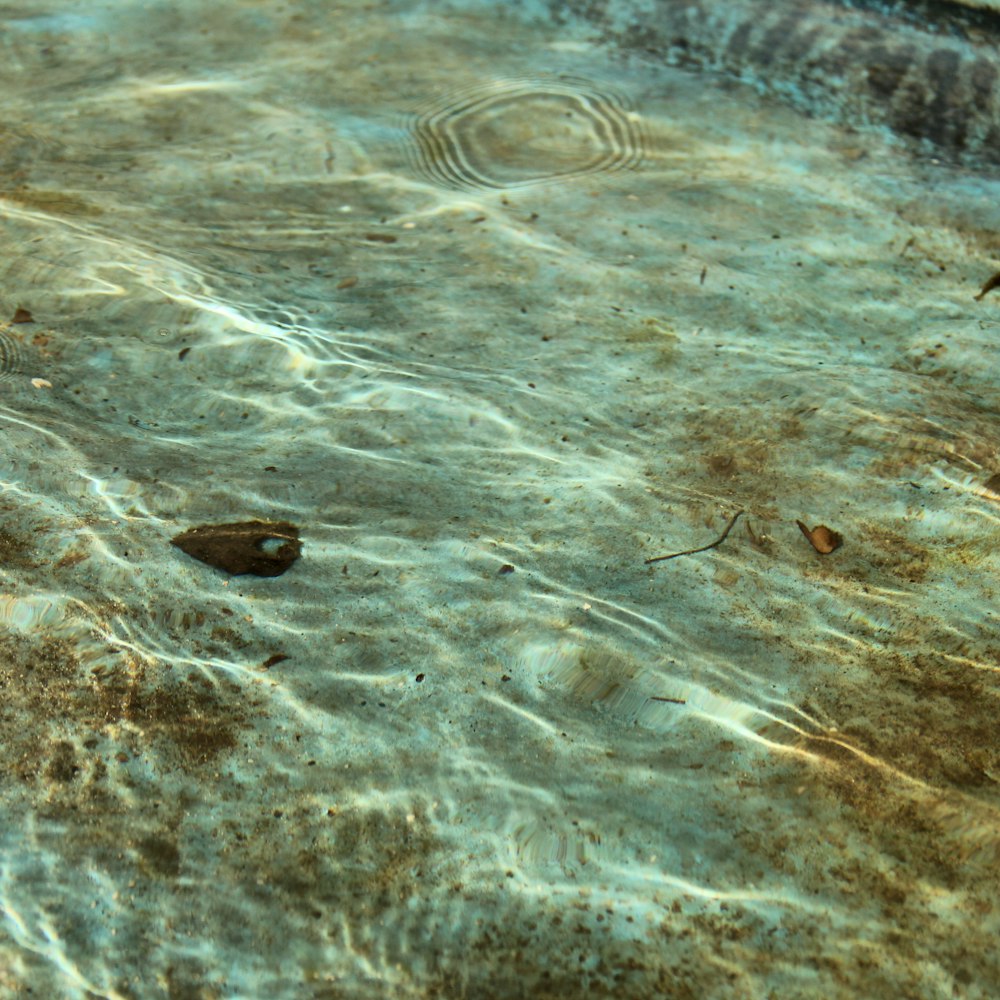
492	312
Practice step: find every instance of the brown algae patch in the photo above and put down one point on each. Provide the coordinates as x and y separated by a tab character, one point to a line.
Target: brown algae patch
904	844
927	715
68	726
893	554
15	551
190	720
904	797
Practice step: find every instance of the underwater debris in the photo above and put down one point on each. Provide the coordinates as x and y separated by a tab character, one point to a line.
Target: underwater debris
991	283
239	548
22	316
703	548
822	538
274	659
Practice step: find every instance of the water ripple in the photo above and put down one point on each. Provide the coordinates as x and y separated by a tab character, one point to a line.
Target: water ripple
511	133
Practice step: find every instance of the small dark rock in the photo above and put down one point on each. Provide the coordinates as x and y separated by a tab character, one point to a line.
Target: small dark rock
239	548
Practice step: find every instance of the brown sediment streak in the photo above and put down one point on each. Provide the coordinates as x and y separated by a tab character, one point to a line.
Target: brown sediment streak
926	69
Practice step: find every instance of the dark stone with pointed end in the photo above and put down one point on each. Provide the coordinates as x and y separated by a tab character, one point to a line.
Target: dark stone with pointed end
239	548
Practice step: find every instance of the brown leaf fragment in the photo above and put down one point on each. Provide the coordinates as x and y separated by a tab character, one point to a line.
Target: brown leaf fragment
991	283
821	538
239	548
22	316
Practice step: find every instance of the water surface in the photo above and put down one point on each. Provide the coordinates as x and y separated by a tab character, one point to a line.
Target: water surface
493	308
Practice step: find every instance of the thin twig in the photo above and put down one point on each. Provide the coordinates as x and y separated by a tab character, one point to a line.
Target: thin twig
704	548
673	701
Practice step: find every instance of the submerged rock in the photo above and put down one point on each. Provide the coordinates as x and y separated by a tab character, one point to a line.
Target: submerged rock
240	548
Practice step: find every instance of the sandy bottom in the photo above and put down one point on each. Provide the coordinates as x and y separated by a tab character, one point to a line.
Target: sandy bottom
491	318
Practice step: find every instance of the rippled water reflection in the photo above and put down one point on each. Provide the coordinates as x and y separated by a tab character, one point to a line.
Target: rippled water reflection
487	360
508	133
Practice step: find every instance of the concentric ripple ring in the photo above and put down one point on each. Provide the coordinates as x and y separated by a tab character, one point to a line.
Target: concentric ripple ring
509	133
12	356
